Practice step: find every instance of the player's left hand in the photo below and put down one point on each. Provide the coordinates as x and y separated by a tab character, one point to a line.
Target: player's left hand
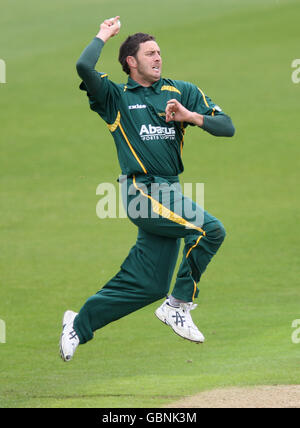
177	112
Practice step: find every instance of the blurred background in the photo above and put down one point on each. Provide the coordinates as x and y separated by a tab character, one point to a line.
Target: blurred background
55	252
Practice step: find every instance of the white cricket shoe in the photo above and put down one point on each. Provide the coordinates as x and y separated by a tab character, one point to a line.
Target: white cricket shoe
69	339
180	320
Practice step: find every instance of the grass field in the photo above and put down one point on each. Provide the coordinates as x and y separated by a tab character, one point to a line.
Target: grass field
55	252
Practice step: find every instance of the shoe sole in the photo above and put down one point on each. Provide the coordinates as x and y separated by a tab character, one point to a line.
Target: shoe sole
65	358
164	321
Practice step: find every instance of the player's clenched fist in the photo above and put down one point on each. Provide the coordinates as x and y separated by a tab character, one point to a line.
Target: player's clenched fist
109	28
177	112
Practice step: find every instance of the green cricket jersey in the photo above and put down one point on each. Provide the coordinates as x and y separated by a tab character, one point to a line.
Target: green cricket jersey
135	116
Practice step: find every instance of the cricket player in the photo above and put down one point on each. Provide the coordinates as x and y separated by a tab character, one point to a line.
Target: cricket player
147	118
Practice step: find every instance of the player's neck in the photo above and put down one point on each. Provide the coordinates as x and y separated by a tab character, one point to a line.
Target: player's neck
143	81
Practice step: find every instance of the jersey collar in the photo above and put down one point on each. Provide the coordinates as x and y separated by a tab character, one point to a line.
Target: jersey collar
132	84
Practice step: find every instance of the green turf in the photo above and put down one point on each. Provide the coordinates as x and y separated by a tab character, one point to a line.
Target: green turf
55	252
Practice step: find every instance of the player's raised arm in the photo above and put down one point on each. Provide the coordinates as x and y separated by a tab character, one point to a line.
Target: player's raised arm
86	64
102	92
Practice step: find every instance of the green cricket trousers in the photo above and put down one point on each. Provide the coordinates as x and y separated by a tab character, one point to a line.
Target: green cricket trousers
163	216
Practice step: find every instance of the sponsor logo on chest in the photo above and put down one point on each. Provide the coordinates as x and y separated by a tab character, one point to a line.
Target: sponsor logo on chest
137	106
149	132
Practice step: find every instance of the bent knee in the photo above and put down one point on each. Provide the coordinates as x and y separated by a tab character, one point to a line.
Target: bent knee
157	293
216	231
221	231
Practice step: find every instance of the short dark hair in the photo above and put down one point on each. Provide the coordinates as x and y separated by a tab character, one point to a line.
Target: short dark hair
131	46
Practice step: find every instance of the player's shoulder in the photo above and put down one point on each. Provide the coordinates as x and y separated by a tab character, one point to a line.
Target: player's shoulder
118	87
182	86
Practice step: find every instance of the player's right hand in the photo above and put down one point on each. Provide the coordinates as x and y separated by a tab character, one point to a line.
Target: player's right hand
109	28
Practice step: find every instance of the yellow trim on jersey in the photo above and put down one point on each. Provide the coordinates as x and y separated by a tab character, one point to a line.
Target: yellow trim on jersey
161	210
113	127
181	146
116	123
170	88
206	103
181	142
104	75
132	149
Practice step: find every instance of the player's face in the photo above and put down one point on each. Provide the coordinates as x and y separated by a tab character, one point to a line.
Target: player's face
149	62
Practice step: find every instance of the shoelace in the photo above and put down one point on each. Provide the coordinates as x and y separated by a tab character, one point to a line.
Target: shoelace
187	307
73	334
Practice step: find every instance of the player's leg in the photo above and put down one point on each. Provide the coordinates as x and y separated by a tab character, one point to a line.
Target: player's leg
197	254
171	214
203	235
144	277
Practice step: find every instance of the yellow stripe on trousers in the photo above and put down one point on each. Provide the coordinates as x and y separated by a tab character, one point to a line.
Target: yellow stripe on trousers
195	245
195	289
161	210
